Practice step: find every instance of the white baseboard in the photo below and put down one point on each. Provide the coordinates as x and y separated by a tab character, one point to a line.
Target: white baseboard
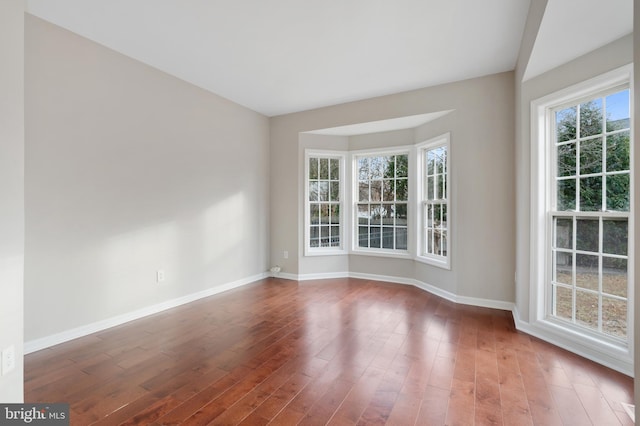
65	336
464	300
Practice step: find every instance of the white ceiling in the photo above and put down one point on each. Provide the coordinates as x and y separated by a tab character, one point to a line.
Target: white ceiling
571	28
282	56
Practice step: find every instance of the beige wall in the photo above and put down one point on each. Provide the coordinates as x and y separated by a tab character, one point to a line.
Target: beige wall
522	161
11	191
482	172
130	170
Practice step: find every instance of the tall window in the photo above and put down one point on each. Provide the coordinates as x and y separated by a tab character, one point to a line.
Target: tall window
381	196
324	192
589	212
434	193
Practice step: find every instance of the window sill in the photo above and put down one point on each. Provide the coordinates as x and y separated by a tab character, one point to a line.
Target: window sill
397	254
443	264
310	252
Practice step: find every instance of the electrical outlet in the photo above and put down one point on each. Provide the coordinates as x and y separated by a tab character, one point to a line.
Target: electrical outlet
160	275
285	254
8	359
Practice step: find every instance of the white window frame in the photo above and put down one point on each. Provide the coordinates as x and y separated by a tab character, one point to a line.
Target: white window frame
613	352
421	167
325	251
355	249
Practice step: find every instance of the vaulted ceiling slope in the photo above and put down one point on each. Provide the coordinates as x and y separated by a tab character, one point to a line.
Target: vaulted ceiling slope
283	56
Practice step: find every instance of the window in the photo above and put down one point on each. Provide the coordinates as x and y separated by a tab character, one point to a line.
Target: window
324	190
589	212
434	238
381	201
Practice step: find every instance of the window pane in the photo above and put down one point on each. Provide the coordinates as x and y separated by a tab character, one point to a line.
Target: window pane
587	309
443	223
374	237
614	317
566	195
587	271
563	301
615	233
402	166
363	168
618	190
444	186
387	237
363	236
591	156
400	213
564	233
335	236
444	249
334	169
388	190
618	152
430	215
315	213
313	168
363	191
564	268
313	191
376	214
335	191
377	167
402	189
587	233
386	214
363	214
566	124
324	236
431	188
401	238
314	242
315	232
431	165
335	213
430	241
438	192
324	168
614	276
591	118
324	213
567	159
376	190
618	111
591	194
323	191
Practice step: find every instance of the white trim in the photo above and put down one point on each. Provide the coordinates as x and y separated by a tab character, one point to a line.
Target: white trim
462	300
322	276
85	330
407	150
341	156
618	357
592	349
421	148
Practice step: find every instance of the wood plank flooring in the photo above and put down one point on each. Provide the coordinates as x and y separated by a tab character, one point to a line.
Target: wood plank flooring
337	352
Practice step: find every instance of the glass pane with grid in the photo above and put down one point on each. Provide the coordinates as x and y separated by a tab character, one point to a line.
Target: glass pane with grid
435	205
590	213
382	196
324	202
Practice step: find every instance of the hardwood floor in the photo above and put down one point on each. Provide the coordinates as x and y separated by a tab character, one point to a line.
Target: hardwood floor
339	352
